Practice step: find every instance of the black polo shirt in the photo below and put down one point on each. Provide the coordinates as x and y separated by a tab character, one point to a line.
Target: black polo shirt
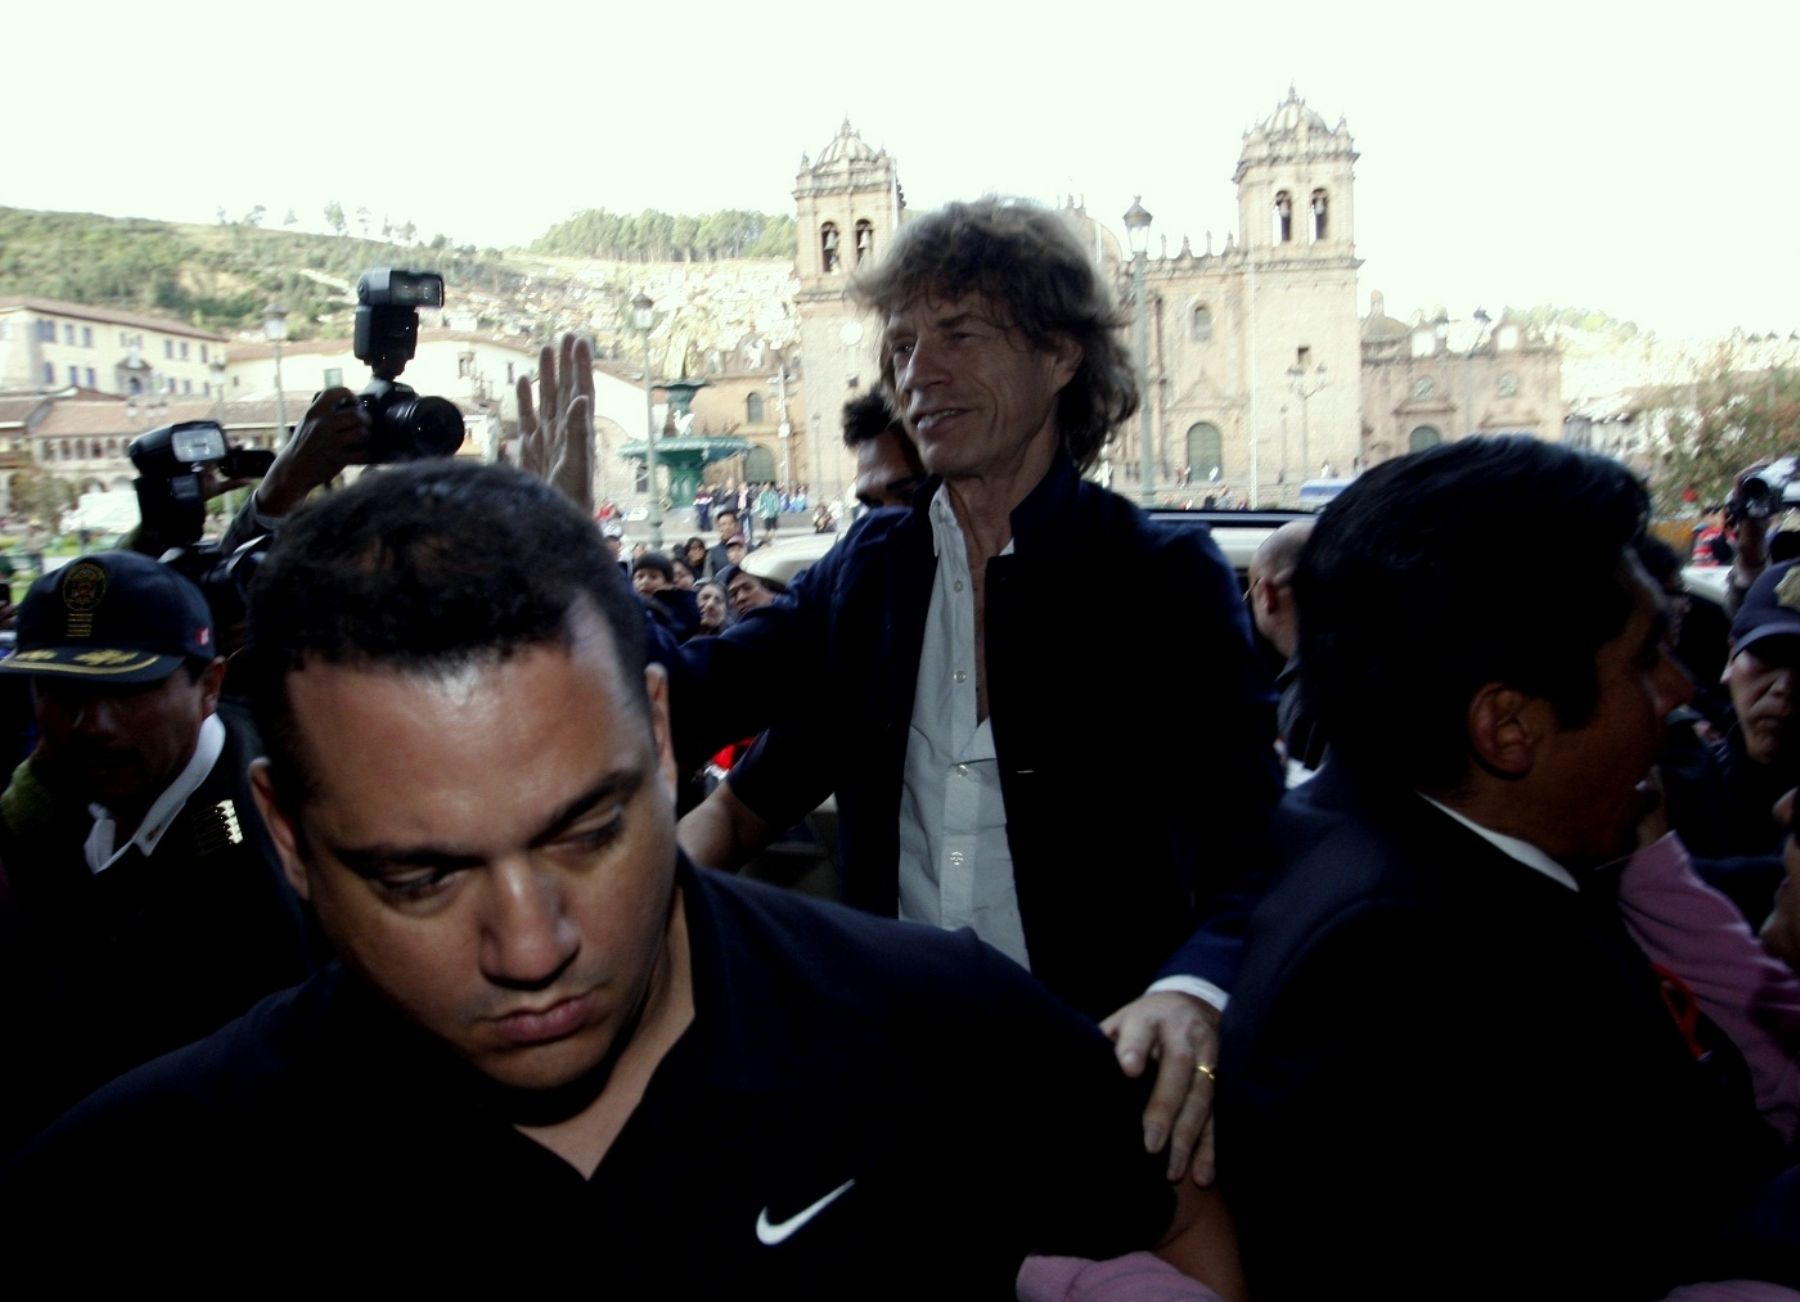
859	1108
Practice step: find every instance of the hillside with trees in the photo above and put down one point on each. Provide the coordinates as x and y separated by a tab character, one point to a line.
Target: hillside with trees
652	236
220	277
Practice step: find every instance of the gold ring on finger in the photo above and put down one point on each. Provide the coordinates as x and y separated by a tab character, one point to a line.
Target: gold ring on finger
1207	1072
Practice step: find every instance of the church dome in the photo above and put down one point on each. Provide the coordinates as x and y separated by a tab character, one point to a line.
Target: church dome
1379	327
1290	116
1102	245
847	147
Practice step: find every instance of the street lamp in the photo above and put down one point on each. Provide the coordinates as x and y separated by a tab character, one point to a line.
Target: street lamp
275	330
1305	384
784	429
1137	230
643	316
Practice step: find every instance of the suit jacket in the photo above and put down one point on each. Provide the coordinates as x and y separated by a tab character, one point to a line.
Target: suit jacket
1446	1074
1138	770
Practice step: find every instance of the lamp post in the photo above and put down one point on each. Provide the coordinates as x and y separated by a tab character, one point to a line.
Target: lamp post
783	428
1137	230
1305	384
1482	320
275	330
643	317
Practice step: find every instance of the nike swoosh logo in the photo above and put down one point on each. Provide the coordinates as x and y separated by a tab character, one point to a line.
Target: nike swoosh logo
771	1233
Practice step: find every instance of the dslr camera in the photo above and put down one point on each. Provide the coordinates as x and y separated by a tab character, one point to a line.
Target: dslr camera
1769	491
170	462
403	426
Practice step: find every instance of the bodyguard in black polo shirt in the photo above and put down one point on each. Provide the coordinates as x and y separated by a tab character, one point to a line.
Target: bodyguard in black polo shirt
552	1049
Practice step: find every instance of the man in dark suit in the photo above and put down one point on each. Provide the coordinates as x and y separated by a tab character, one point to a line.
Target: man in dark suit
1447	1069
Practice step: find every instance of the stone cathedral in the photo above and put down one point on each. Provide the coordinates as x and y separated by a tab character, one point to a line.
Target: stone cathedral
1260	369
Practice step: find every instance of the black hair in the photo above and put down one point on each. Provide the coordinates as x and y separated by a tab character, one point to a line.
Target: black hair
1484	560
654	561
427	568
867	418
1660	561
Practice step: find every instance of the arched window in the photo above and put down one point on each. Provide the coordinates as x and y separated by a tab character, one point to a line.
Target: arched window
1425	436
96	451
1201	323
1205	450
1319	206
1284	218
828	247
137	385
753	409
865	241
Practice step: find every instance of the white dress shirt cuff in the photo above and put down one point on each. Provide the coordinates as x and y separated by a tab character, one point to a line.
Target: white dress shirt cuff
1205	991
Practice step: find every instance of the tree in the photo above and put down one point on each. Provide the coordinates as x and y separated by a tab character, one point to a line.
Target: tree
39	496
255	216
334	217
1722	423
291	219
362	221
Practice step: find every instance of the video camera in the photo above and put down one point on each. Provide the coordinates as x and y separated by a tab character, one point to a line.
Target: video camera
403	426
1769	491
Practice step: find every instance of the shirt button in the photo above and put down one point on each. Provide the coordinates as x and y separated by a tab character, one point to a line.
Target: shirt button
956	858
958	585
963	769
960	676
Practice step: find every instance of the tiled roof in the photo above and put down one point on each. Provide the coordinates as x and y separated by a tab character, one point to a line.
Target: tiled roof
249	350
82	312
117	416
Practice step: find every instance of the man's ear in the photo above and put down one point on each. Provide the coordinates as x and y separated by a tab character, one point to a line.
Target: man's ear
212	682
1065	359
1504	730
656	685
281	828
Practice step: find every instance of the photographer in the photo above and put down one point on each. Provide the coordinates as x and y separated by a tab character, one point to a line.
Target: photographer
332	435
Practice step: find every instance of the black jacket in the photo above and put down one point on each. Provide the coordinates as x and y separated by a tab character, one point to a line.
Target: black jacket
1448	1075
1138	771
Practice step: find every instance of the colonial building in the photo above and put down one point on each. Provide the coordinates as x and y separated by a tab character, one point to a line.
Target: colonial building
48	344
1443	379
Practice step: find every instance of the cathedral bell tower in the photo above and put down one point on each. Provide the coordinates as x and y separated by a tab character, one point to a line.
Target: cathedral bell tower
847	208
1296	217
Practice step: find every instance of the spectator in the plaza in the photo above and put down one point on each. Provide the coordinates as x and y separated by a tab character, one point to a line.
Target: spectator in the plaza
888	469
1448	903
1720	798
148	908
684	577
1277	618
694	552
748	591
935	638
545	1019
653	576
768	507
703	505
730	530
714	606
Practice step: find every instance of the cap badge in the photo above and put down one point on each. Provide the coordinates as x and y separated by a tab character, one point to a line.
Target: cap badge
83	587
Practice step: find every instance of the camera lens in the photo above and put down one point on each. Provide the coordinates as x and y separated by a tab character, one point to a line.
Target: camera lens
433	425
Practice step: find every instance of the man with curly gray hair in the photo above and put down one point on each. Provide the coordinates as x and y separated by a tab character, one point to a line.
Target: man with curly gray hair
992	783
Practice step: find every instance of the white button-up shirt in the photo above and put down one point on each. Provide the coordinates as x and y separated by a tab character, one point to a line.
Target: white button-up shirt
956	867
99	849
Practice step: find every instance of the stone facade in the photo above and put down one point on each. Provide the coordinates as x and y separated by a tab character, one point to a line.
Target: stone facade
1440	380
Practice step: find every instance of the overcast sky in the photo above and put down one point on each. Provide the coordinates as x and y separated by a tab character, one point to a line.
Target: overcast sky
1637	159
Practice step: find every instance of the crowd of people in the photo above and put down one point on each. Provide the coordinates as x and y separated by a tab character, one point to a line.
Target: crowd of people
1457	958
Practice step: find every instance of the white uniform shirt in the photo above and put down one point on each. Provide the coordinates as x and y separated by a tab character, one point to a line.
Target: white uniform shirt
99	846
